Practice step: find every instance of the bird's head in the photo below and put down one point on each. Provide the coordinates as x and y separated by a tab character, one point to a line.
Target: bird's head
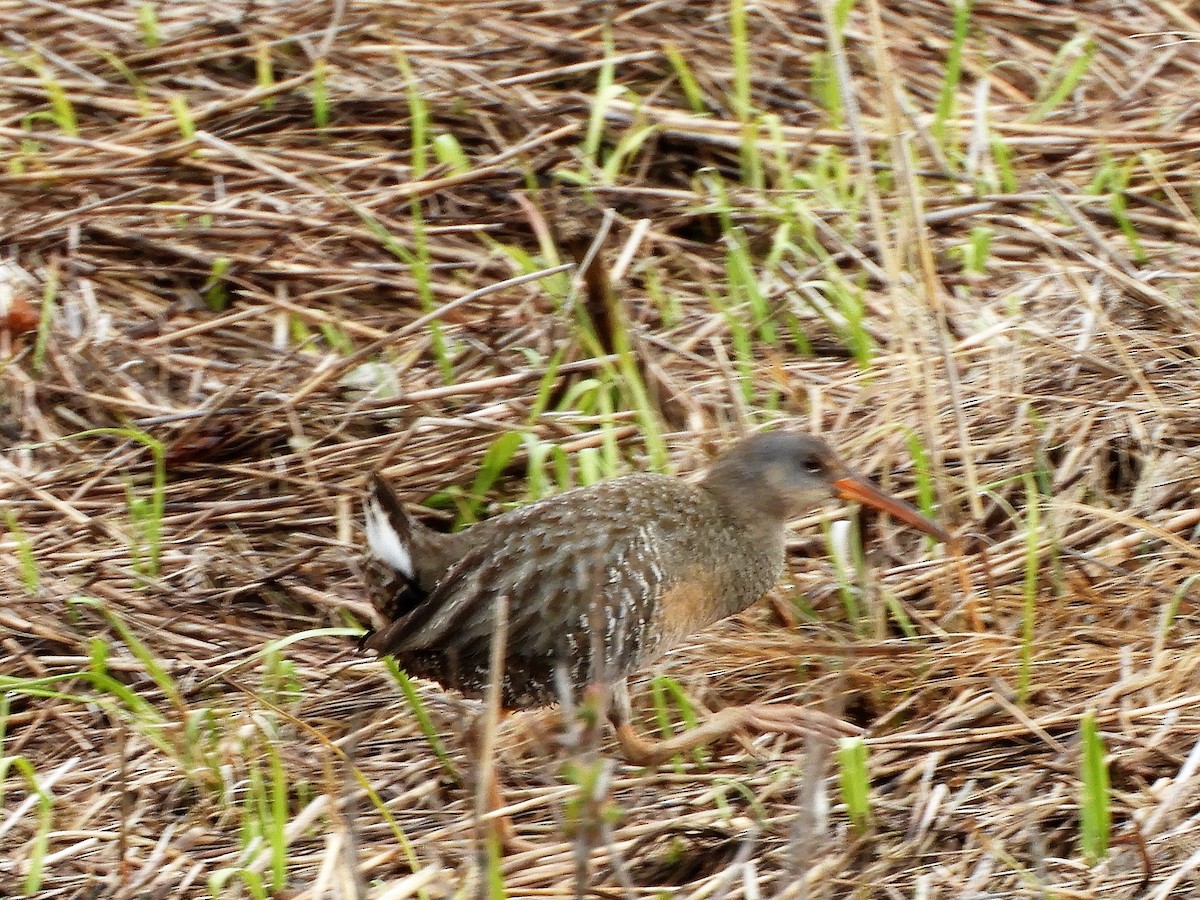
779	475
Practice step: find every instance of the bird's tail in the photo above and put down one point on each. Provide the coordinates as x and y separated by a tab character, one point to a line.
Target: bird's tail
390	530
401	549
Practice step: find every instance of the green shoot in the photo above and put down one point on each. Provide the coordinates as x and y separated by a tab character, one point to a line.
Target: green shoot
899	615
418	112
276	817
140	651
299	331
148	23
588	462
975	252
218	881
264	72
687	81
584	396
667	694
35	860
495	874
667	304
18	163
320	94
202	738
419	260
739	42
737	267
421	714
953	77
146	512
922	475
723	786
449	153
1002	158
337	338
183	117
851	303
606	92
1115	179
215	289
145	104
753	173
639	397
540	452
743	284
62	113
142	713
1095	812
1070	65
823	86
280	683
545	391
6	760
25	559
1170	612
841	14
608	454
5	705
782	163
855	781
626	149
497	458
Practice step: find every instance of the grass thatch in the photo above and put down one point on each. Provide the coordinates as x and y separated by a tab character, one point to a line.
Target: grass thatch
251	254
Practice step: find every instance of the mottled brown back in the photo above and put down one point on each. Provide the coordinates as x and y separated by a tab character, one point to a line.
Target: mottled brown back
585	575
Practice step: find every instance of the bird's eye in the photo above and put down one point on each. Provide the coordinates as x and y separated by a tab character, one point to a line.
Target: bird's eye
811	466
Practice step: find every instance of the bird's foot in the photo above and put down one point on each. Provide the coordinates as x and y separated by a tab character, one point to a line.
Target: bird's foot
763	717
792	718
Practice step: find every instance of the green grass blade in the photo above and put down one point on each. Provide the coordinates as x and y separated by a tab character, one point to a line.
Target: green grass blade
1070	65
277	817
854	781
62	112
183	116
26	563
320	94
1095	812
952	79
687	81
264	72
40	844
148	25
140	651
421	714
216	290
606	90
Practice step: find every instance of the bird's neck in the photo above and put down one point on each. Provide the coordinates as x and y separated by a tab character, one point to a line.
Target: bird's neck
746	502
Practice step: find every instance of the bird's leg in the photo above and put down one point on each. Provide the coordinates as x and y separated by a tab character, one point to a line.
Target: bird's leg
764	717
495	823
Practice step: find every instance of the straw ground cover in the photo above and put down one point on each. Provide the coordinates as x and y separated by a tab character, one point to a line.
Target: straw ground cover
252	254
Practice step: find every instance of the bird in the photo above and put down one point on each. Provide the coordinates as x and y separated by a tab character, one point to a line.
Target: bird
600	581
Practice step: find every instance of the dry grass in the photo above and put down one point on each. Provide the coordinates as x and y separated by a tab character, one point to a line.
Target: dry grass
222	294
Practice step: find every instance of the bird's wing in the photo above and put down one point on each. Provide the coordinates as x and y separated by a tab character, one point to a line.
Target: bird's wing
575	579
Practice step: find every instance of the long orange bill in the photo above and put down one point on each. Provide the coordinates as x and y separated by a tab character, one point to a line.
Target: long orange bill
860	490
